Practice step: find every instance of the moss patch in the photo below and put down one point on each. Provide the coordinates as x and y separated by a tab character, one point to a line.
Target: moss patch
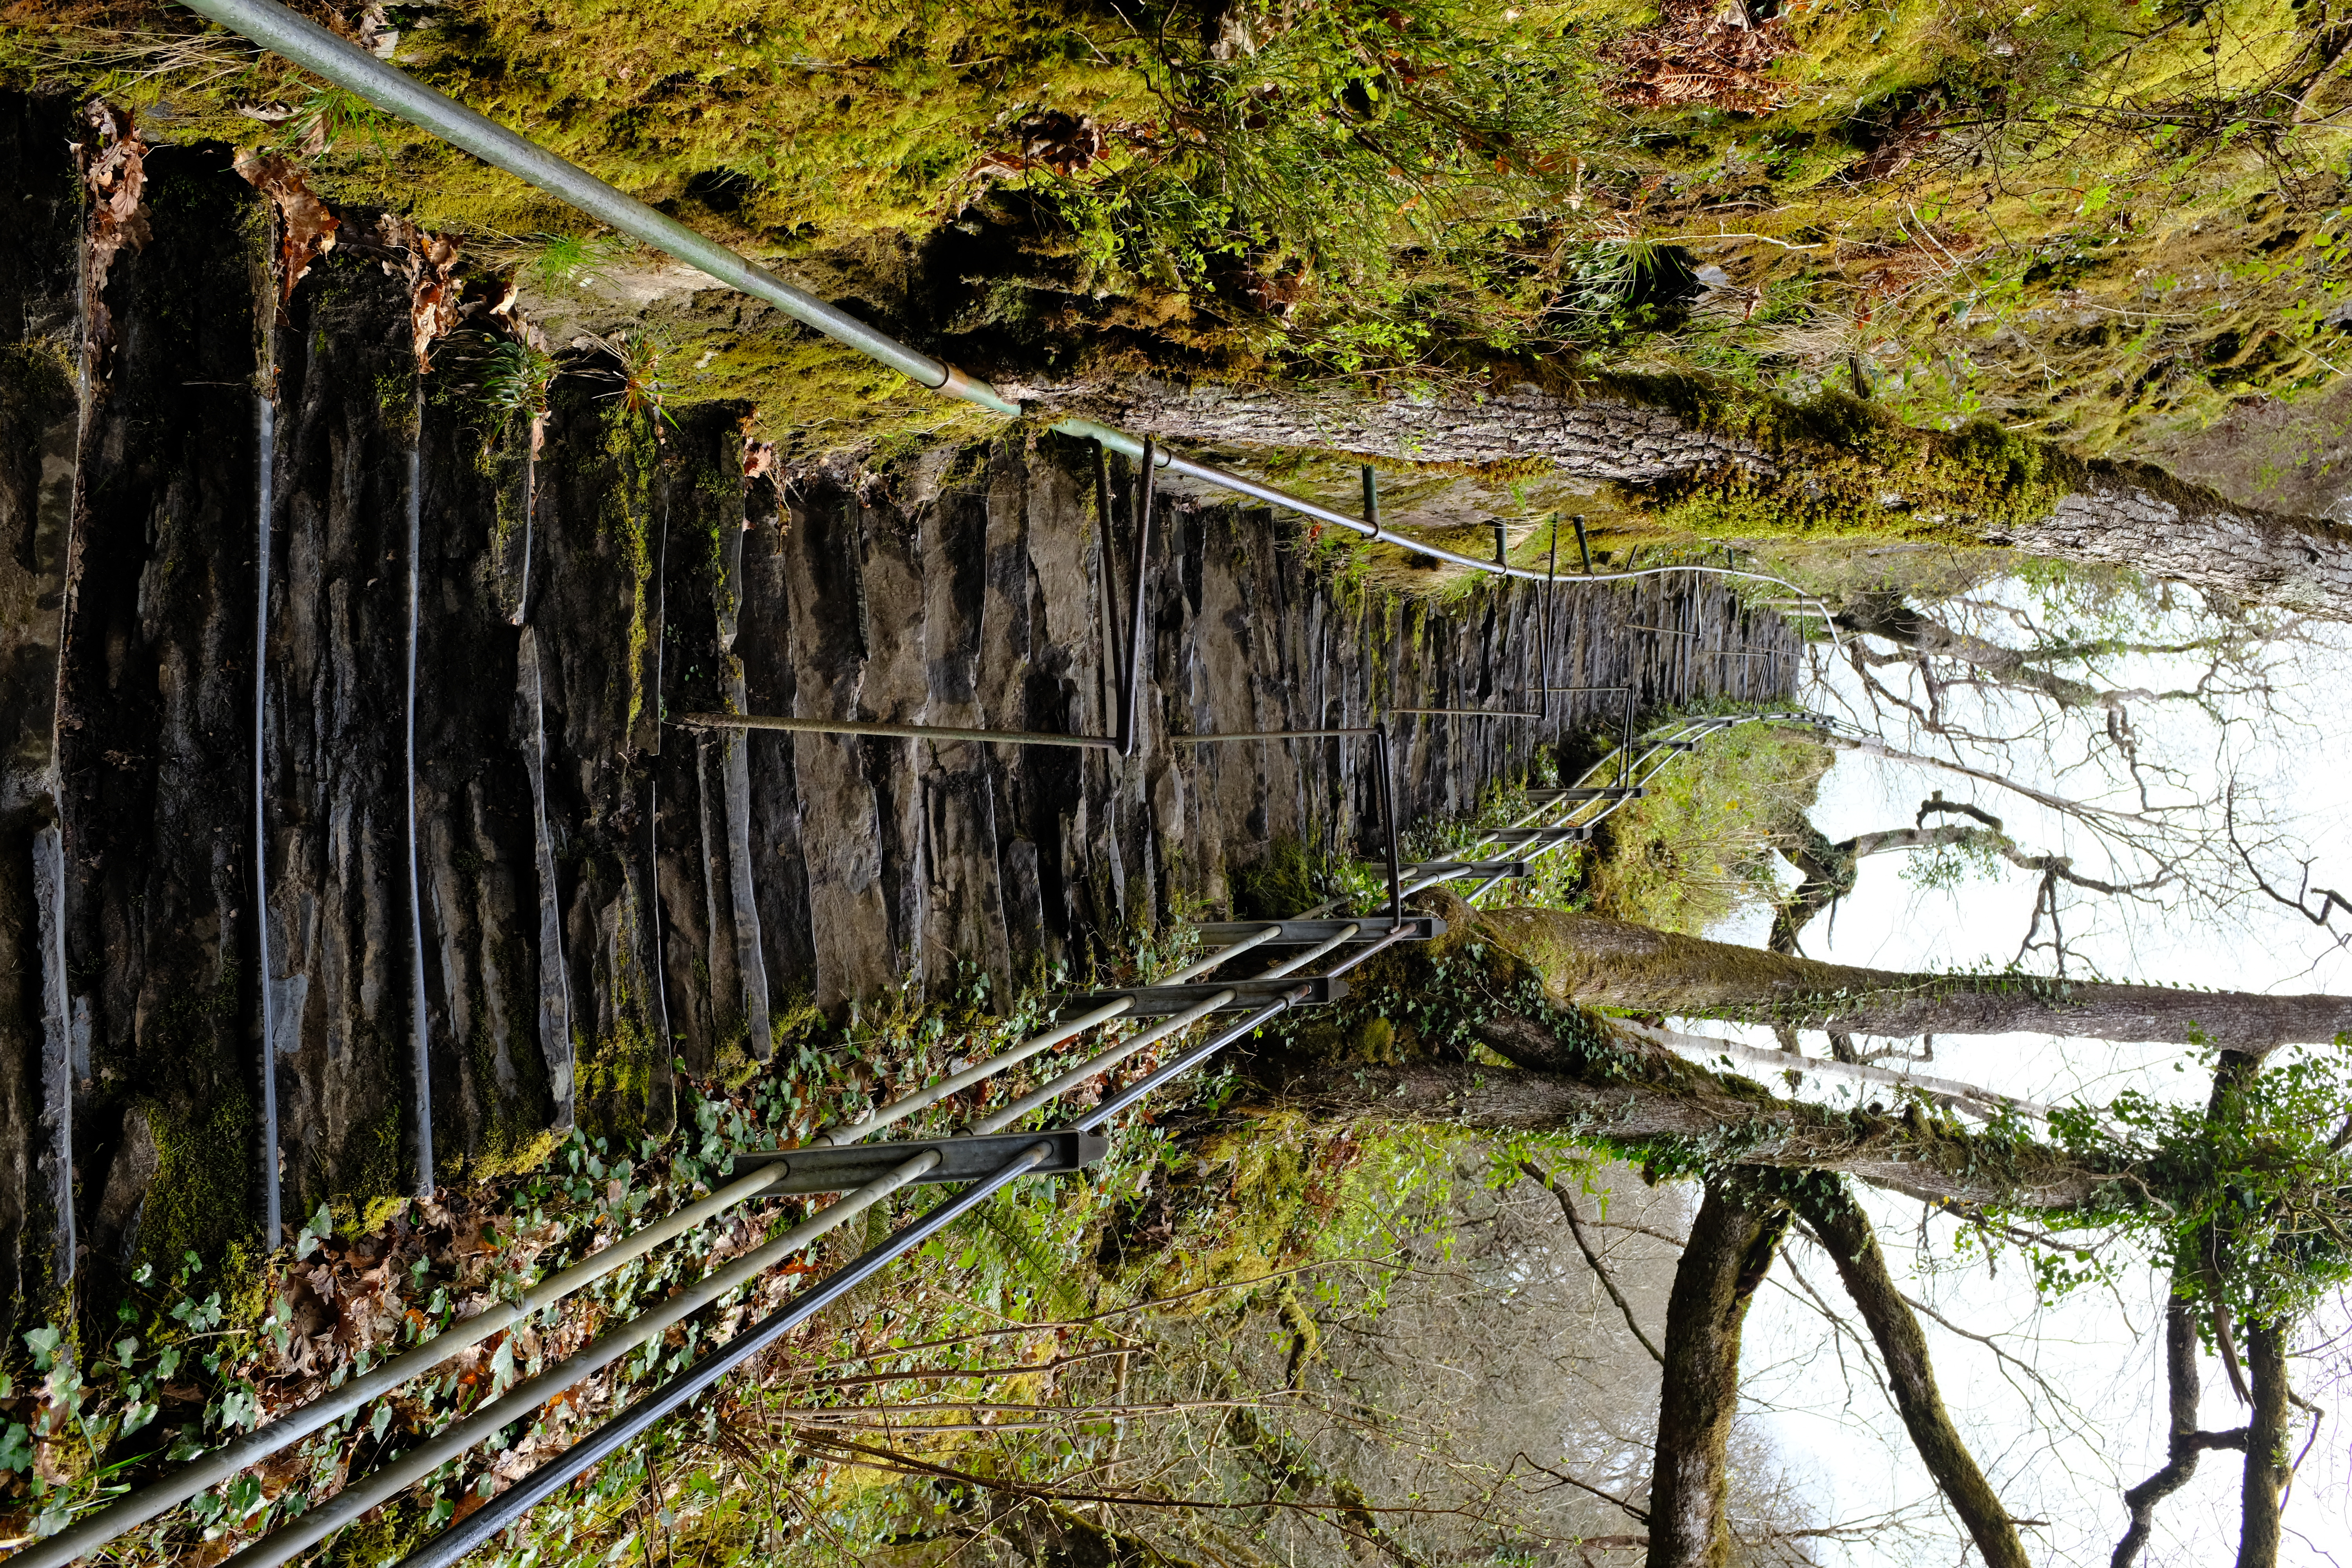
1697	848
202	1199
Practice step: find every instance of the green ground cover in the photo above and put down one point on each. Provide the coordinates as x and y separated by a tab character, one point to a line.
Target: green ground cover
2097	221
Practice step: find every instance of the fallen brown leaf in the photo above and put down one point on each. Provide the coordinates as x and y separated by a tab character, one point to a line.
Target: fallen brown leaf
116	172
431	274
1702	52
308	227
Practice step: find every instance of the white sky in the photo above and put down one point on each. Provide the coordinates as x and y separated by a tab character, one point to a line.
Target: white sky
2062	1454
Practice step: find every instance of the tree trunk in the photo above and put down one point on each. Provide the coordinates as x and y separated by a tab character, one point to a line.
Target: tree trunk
1607	963
1837	464
1731	1244
2264	1493
2185	1441
1625	1102
1845	1231
1888	615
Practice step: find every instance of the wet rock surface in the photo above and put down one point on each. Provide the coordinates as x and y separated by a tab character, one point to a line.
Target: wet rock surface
598	893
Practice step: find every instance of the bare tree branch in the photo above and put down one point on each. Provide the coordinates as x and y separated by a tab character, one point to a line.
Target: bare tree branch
1576	1228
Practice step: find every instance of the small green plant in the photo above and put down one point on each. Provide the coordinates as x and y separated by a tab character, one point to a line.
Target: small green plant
639	384
328	118
1944	867
516	378
567	263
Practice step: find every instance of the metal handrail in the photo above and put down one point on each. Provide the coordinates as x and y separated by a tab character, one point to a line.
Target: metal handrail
640	1417
346	64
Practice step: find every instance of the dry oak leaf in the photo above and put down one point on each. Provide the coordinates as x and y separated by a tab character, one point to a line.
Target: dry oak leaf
309	228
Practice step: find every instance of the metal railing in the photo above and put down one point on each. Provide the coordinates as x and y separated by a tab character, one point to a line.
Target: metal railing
1175	1003
316	49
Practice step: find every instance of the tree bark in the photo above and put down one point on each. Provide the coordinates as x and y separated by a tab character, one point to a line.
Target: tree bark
2185	1442
1845	1231
2263	1494
1889	615
1644	436
1731	1244
1605	963
1632	1101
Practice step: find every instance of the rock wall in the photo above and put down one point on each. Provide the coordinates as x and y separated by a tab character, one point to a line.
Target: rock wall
596	893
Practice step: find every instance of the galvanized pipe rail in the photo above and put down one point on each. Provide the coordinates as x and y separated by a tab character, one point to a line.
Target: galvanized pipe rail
307	1530
316	49
511	1506
647	1412
452	1442
321	51
225	1463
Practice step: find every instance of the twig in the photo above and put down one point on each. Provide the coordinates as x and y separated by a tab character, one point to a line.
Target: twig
1576	1228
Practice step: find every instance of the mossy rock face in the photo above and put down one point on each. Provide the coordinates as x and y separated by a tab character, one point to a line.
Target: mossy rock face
202	1197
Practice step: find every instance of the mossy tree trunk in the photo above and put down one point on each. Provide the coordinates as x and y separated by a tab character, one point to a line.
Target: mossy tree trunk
1610	963
1845	1230
1636	1101
2263	1496
1732	1242
1719	459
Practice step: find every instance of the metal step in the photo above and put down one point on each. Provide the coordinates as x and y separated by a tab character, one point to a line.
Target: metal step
1303	933
823	1170
1452	868
1161	1001
1573	833
1635	793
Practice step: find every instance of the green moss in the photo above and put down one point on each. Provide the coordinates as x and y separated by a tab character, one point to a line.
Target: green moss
374	1180
202	1199
383	1535
1698	848
1289	879
622	1085
633	447
807	393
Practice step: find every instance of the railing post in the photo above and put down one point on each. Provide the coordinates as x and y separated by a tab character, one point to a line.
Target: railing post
1129	719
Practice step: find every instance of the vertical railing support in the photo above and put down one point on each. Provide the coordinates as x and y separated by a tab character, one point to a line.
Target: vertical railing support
1386	775
420	1023
1130	721
265	424
1114	644
1543	646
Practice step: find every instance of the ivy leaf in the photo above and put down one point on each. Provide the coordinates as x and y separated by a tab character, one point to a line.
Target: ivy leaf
44	1343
